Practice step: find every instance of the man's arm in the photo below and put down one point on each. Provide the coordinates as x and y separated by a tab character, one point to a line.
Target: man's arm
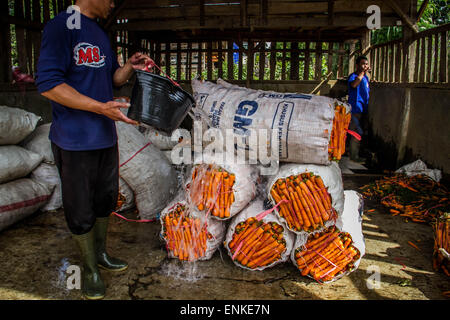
355	83
123	74
69	97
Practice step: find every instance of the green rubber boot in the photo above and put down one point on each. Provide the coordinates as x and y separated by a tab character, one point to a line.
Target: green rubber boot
103	259
92	285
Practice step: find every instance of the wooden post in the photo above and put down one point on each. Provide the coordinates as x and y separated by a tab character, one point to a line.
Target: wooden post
5	43
340	61
199	59
250	62
219	59
273	60
178	61
436	58
209	60
283	62
409	56
398	61
422	61
443	74
352	58
417	61
262	61
318	67
230	63
294	61
429	58
241	60
36	34
330	56
189	61
168	59
307	55
158	55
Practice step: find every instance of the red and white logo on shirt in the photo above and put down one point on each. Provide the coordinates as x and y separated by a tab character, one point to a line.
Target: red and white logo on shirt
86	54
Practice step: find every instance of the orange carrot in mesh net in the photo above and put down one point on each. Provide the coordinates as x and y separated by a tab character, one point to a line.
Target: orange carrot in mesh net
327	254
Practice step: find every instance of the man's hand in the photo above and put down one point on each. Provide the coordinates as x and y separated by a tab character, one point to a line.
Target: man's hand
139	60
111	109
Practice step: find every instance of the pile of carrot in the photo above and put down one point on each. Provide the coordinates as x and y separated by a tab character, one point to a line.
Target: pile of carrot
256	244
308	204
120	201
442	242
341	121
327	254
212	189
418	198
185	236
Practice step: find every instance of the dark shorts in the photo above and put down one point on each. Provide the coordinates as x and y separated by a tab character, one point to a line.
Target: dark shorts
90	185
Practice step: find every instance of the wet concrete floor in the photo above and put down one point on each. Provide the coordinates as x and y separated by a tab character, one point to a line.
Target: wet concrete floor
35	255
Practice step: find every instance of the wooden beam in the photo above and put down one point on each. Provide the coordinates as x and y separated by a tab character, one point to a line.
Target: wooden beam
421	10
406	19
202	12
330	12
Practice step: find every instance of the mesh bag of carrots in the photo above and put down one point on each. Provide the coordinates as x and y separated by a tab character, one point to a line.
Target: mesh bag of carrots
310	197
223	190
335	251
256	239
341	121
441	254
190	235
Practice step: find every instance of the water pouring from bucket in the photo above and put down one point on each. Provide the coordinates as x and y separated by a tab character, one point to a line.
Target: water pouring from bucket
158	101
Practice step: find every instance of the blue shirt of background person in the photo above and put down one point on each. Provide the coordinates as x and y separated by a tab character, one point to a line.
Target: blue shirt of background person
358	87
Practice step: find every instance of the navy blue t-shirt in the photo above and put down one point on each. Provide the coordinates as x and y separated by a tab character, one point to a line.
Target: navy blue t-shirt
358	97
83	59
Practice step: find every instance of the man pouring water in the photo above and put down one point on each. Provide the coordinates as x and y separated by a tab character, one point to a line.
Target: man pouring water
77	70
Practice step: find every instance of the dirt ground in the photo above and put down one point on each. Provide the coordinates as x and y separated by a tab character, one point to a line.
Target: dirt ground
35	253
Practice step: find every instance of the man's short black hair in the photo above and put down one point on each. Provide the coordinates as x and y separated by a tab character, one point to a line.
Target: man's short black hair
358	60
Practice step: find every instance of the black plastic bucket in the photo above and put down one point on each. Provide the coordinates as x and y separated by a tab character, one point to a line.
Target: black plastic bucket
159	103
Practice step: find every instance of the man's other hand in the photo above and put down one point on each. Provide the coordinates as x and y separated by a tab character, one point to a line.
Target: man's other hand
111	109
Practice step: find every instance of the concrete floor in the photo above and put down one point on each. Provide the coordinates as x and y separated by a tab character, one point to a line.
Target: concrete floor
35	253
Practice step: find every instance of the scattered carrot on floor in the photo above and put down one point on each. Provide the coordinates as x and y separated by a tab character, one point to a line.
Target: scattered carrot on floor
418	198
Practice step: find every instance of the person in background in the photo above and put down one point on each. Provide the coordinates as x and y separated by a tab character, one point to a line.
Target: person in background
358	97
77	69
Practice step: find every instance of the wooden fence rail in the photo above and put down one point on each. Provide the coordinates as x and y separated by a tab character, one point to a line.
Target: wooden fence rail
430	58
249	60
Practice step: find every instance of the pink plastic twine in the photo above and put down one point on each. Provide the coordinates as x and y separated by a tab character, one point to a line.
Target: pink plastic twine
132	220
258	217
354	134
150	64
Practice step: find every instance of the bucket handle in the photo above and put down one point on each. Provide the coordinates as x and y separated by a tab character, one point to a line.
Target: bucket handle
150	64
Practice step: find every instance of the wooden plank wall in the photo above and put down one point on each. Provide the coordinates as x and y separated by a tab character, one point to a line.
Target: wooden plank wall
430	60
22	24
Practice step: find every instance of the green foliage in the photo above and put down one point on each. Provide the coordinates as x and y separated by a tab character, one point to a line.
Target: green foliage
437	13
